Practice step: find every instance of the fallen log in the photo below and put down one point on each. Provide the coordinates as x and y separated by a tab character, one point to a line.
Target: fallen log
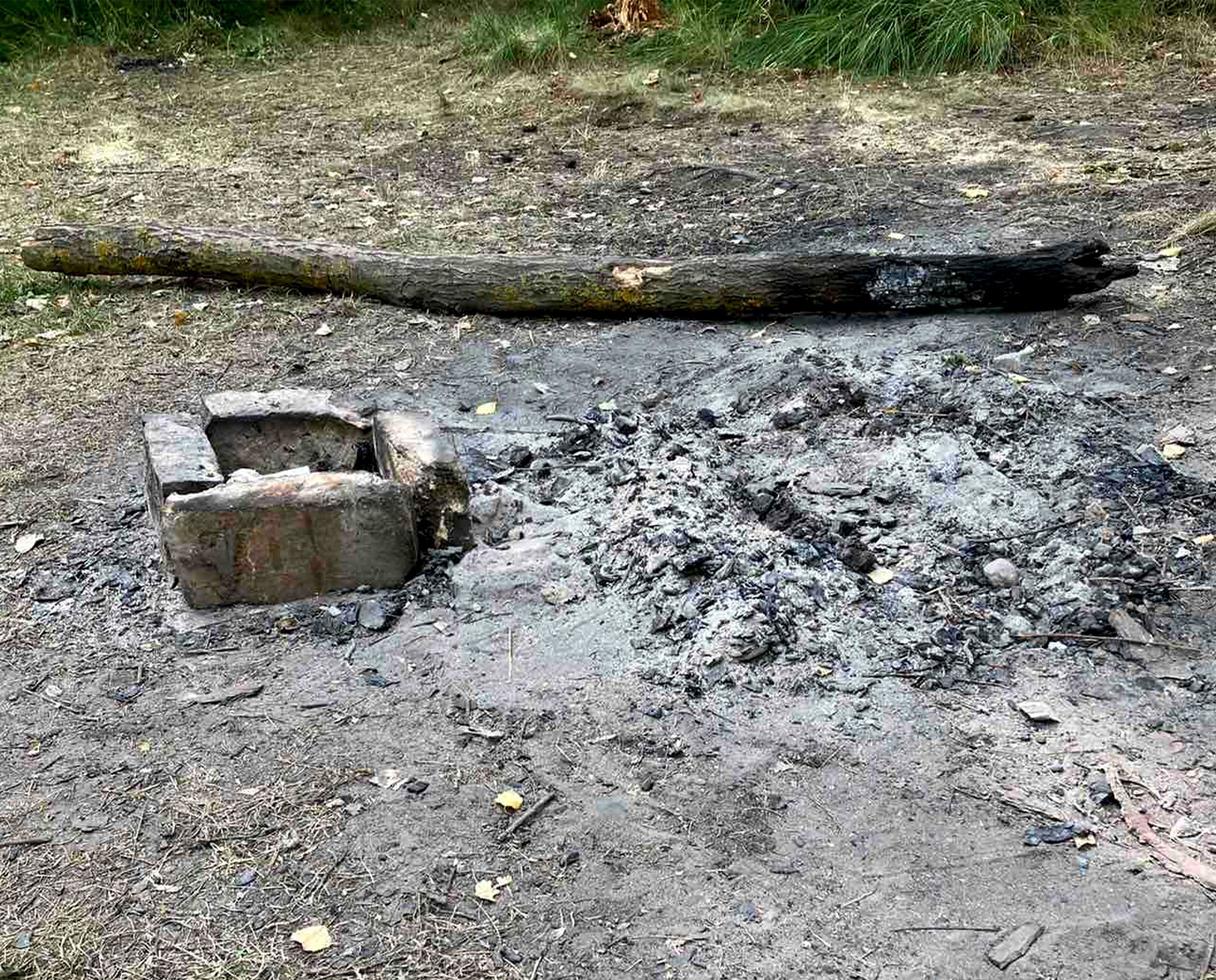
703	286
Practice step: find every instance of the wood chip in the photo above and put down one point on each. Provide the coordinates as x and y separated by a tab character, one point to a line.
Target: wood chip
225	694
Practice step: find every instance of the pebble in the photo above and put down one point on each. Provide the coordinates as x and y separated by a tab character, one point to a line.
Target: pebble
1013	361
372	614
1037	711
1001	573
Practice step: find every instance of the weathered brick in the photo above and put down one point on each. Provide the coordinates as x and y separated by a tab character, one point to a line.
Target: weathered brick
178	458
277	430
278	539
411	449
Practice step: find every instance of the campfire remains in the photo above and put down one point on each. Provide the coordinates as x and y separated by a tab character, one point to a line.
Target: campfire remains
275	496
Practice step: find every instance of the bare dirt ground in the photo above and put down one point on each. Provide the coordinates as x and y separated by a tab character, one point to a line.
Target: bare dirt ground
766	764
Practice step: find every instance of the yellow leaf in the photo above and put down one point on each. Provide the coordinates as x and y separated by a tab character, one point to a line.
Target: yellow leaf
1019	379
486	408
881	576
1172	450
508	799
144	745
1170	252
313	939
180	317
503	880
1203	539
974	193
1085	840
485	890
608	406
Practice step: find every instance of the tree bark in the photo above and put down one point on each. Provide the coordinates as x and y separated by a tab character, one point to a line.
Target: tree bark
705	286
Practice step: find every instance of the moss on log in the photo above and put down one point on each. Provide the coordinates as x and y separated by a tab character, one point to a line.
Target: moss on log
739	286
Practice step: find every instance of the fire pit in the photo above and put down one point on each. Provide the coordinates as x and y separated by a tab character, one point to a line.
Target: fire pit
272	496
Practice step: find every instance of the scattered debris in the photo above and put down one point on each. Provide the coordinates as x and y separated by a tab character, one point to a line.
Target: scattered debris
27	542
1173	858
1055	833
225	694
1013	945
313	939
1038	711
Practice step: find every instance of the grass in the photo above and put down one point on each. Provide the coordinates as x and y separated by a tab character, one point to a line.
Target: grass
870	37
171	27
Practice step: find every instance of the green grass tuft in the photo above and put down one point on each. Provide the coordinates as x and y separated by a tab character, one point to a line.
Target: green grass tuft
537	34
169	27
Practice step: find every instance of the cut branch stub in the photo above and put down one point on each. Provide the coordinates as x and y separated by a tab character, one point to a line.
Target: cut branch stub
705	286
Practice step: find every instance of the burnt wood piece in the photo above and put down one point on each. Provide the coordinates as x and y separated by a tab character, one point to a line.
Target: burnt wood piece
737	286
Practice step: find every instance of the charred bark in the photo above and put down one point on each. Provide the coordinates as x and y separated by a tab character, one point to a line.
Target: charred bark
705	286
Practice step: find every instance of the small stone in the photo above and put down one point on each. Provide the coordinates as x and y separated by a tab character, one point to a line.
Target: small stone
1014	361
1183	827
1038	711
372	614
1013	945
1127	628
1182	435
245	878
1099	791
858	557
1001	573
416	787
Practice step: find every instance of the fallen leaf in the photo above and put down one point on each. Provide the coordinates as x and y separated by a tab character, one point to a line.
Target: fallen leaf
313	939
324	330
144	745
896	236
486	408
1170	251
27	542
881	576
508	799
974	193
608	406
1203	539
503	880
36	303
1172	450
485	890
1019	379
1085	840
180	317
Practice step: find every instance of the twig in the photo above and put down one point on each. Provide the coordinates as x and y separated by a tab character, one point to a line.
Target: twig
1207	964
1027	534
25	841
1164	644
858	899
528	815
947	929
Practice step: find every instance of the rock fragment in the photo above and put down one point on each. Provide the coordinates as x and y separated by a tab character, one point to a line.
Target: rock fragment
1011	946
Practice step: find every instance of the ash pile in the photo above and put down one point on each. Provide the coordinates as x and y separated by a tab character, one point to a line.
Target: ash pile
917	517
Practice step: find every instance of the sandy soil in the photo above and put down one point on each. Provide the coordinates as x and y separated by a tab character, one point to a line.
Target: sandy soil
765	763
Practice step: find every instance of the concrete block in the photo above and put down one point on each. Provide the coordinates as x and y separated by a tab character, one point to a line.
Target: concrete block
283	538
178	459
278	430
412	450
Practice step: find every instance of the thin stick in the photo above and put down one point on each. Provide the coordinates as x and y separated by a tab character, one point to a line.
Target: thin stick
510	653
1027	534
1164	644
946	929
25	841
1207	965
528	815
